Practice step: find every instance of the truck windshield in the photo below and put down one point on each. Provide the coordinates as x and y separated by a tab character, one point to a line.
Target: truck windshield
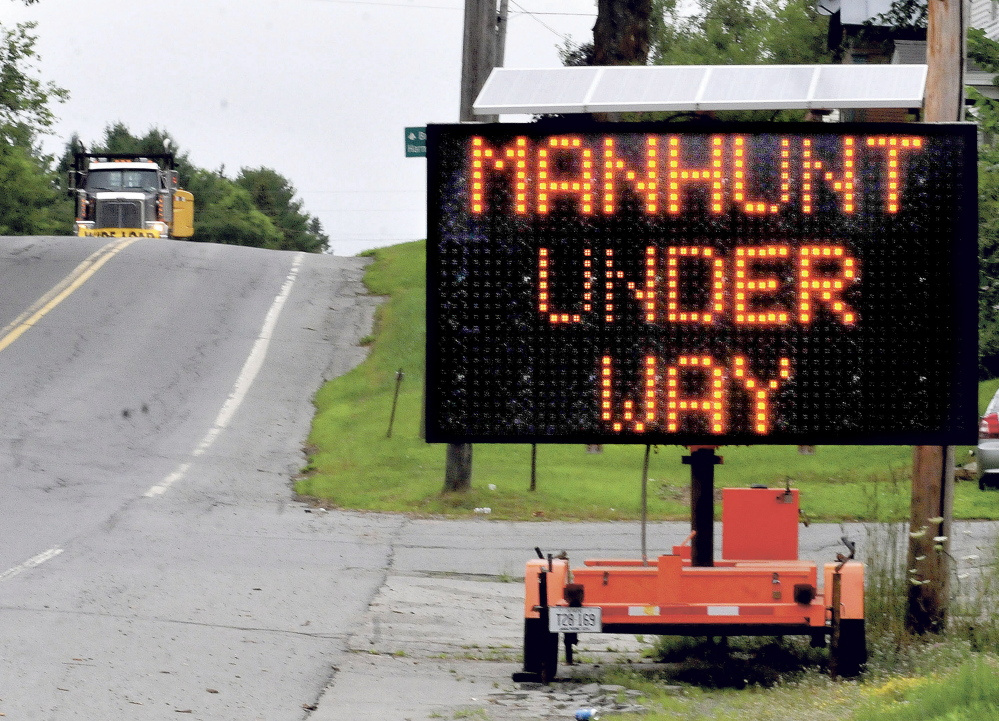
123	180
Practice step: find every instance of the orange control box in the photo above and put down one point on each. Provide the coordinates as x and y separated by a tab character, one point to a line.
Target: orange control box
759	524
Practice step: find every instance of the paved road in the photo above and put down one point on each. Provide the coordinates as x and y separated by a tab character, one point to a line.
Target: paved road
150	553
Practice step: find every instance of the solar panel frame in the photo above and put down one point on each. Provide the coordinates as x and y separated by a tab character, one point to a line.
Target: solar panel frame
700	88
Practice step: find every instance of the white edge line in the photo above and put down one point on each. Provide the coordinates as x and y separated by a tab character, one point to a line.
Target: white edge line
243	382
161	488
30	563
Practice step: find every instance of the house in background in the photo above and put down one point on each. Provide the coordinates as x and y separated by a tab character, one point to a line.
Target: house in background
859	33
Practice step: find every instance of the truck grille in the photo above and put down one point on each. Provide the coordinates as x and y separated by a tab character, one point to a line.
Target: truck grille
119	214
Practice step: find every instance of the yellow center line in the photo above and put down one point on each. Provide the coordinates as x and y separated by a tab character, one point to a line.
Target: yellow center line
16	328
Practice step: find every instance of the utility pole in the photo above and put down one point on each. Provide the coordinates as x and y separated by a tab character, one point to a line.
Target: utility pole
945	52
932	509
478	58
478	55
504	13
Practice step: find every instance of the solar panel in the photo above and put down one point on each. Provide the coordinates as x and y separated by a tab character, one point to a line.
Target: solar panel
870	86
646	86
700	87
556	89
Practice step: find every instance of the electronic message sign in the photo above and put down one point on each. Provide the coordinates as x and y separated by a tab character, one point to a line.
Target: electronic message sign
709	284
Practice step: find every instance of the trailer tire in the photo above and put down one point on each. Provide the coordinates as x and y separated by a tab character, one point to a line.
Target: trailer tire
540	649
852	650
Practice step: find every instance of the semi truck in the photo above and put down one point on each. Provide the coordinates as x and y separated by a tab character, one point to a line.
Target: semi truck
130	195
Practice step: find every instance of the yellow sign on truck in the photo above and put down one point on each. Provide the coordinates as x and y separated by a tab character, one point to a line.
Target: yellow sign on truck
130	195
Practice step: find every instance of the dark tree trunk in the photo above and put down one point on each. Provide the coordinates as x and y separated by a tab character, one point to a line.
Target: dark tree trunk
621	33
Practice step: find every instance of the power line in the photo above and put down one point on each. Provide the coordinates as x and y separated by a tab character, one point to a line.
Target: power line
391	4
538	12
522	11
541	22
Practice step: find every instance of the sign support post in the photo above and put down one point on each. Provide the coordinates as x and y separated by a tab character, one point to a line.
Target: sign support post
702	461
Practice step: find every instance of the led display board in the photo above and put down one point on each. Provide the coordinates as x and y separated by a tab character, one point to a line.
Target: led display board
702	284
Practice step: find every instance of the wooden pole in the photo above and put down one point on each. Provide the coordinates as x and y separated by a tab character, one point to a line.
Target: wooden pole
501	21
458	468
932	509
930	522
945	52
478	55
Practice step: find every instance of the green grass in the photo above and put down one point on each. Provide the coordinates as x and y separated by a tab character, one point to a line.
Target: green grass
968	692
353	464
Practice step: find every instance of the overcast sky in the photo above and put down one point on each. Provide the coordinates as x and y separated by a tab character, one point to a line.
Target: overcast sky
319	90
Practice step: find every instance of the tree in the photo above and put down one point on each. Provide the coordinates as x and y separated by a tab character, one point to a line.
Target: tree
985	53
726	32
25	101
30	201
29	191
224	213
621	33
741	32
274	195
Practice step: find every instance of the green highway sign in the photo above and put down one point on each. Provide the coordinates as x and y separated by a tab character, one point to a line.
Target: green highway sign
416	142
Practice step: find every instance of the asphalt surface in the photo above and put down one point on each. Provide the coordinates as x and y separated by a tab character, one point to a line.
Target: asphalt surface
115	603
153	560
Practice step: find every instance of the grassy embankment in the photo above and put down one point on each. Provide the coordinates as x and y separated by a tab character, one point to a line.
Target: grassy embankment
354	465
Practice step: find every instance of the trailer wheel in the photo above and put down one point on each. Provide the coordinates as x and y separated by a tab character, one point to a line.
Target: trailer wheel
852	650
540	649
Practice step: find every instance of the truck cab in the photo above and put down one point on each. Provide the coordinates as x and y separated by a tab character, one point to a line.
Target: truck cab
130	196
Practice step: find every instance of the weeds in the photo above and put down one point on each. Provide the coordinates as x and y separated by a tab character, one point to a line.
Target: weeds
737	662
974	615
971	692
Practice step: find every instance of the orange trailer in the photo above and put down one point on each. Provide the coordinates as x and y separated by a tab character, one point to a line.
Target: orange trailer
759	587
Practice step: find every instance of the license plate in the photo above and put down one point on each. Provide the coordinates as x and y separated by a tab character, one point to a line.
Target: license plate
574	620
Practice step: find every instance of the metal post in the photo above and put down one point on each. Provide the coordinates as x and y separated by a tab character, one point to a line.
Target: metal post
702	462
645	504
395	400
534	467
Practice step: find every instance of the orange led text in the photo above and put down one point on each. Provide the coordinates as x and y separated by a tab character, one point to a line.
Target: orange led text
591	175
691	393
762	285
